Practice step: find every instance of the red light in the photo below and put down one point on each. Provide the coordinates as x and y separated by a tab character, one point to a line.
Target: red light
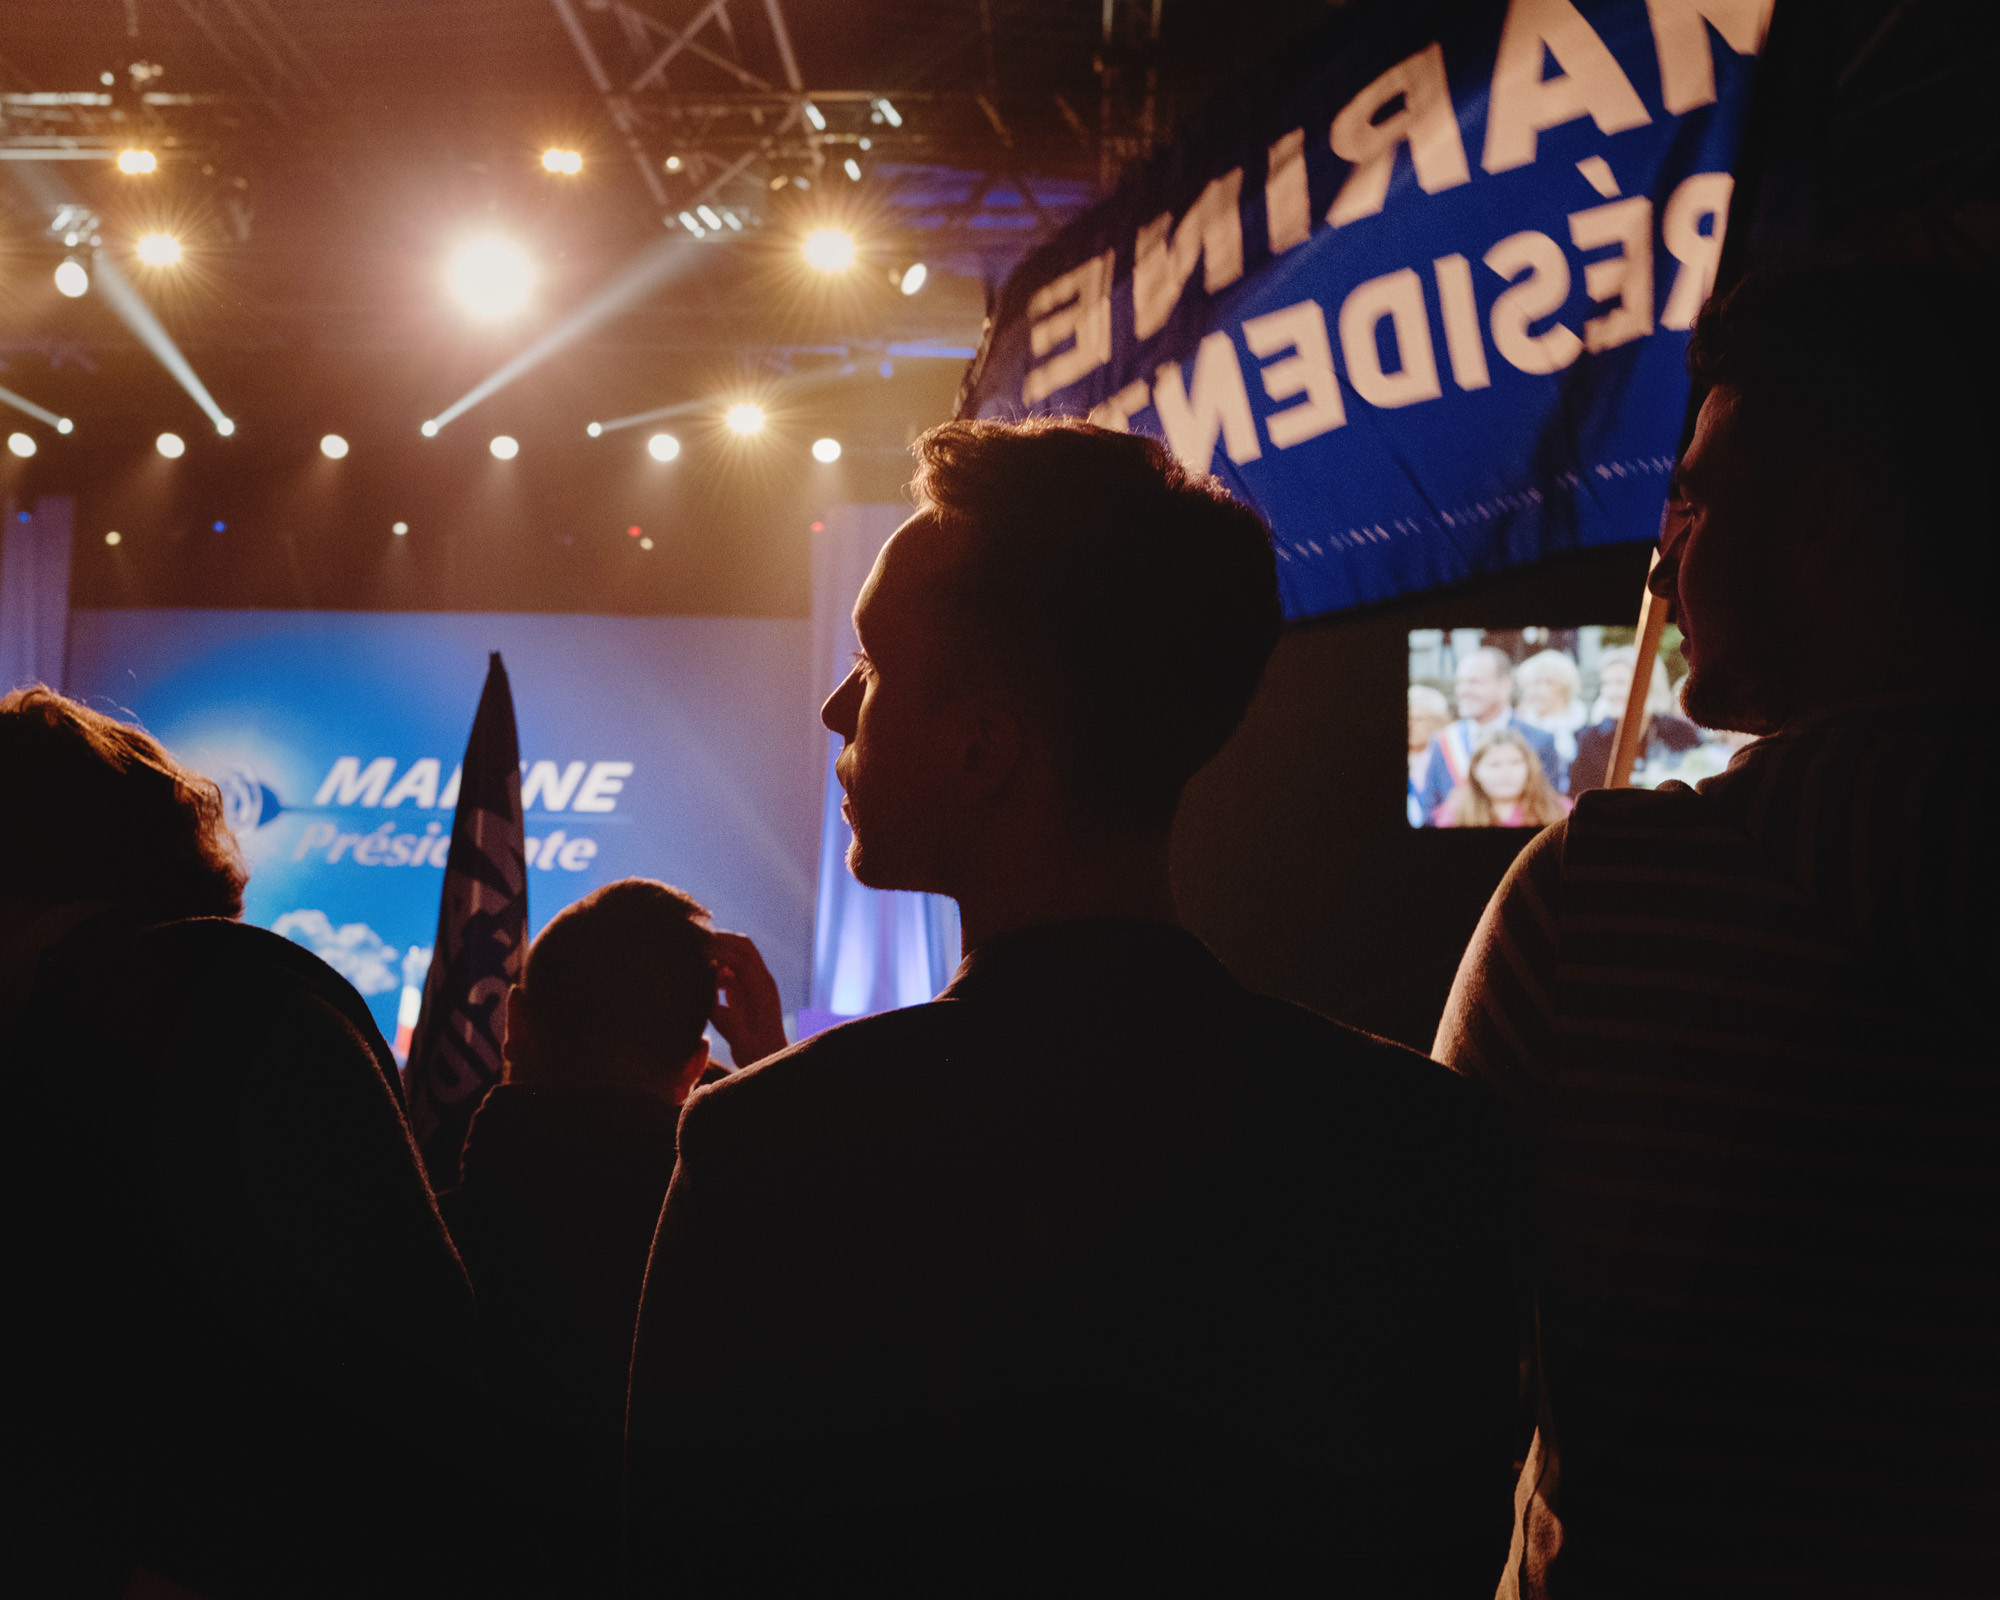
631	533
819	527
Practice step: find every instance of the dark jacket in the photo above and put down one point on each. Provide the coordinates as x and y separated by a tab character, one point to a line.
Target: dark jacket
242	1339
1099	1263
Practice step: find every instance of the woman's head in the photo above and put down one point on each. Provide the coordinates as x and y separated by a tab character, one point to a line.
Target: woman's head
1429	711
1504	772
95	809
1614	684
1548	682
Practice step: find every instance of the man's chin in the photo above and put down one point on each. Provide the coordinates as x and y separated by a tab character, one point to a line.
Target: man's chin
1725	702
871	871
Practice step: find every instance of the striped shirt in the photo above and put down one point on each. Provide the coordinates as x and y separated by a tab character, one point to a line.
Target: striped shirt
1749	1032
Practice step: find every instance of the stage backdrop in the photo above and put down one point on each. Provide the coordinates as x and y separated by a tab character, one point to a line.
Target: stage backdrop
681	748
1419	291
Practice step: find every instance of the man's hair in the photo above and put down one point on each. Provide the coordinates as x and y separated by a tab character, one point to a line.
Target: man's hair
1131	602
1890	369
95	809
624	972
1498	662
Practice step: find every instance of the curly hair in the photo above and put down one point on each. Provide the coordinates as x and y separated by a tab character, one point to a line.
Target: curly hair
1134	603
95	809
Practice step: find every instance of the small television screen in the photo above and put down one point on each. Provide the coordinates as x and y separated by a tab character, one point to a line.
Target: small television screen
1509	725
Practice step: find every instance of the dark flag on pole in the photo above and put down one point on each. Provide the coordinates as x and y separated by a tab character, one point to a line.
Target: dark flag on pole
482	939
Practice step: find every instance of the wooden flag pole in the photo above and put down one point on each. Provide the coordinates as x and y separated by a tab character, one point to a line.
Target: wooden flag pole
1632	720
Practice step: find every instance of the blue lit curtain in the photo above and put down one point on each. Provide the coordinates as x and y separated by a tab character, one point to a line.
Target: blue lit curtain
34	593
873	950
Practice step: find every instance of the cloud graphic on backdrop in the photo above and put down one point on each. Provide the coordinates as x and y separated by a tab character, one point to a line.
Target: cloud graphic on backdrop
354	950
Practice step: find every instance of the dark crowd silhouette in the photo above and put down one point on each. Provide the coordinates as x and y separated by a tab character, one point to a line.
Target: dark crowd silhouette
1676	1271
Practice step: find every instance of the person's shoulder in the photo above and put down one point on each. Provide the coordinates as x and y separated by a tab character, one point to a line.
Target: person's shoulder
1317	1058
1534	735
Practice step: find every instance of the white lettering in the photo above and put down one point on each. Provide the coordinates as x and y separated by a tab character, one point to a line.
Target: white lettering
1287	199
576	854
1117	412
1528	299
1309	372
1217	406
1680	36
606	779
349	784
420	784
1701	198
314	835
448	801
1164	258
545	857
1399	297
1463	341
1523	103
1425	122
543	784
1626	277
370	847
1076	305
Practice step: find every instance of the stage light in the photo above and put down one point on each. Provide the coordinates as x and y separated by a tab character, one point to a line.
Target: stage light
595	430
399	528
914	279
826	450
884	112
491	278
829	249
333	447
21	444
853	168
568	162
714	222
171	445
634	531
645	544
159	250
64	425
744	419
505	448
816	117
429	430
224	426
663	447
113	537
71	279
672	163
134	162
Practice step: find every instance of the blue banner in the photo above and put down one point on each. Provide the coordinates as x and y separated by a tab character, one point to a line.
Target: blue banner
681	748
1419	293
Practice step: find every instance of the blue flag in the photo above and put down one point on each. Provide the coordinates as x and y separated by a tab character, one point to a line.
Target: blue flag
482	940
1419	292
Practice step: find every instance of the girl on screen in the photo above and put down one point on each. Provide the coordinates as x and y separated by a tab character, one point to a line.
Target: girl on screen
1504	787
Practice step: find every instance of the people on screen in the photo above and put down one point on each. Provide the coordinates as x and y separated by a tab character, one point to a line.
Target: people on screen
1504	787
1100	1271
565	1166
240	1330
1746	1027
1551	687
1429	711
1485	692
1665	738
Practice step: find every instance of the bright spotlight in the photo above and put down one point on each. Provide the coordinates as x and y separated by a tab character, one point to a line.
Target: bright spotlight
744	419
71	279
915	278
569	162
664	446
595	430
430	430
491	278
853	168
816	117
505	448
64	425
888	113
672	163
137	161
171	445
159	250
21	444
113	537
224	426
399	528
333	447
829	249
827	450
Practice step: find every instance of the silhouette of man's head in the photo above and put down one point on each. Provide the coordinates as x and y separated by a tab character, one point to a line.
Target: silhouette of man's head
1832	520
1069	615
617	988
95	809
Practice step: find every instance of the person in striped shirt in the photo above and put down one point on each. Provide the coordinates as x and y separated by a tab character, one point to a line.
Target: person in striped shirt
1747	1028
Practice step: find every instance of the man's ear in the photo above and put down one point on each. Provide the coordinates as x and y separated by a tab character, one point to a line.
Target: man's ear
690	1072
517	1042
995	741
1837	521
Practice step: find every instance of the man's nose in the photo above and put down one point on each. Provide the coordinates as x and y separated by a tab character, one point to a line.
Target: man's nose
838	714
